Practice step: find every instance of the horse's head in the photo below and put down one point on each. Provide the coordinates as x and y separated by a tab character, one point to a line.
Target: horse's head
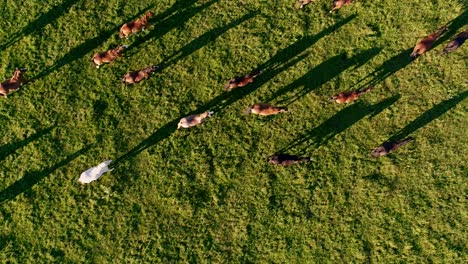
283	110
149	14
19	72
120	48
151	69
378	152
231	84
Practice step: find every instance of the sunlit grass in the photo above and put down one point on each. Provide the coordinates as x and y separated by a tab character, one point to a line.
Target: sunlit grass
206	194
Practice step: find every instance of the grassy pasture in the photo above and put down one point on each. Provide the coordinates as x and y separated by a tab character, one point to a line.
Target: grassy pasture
206	194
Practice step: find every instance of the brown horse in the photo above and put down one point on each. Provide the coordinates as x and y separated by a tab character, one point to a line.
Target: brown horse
426	43
346	97
389	147
265	109
14	83
138	76
107	56
241	81
134	26
286	159
301	3
456	42
194	120
337	4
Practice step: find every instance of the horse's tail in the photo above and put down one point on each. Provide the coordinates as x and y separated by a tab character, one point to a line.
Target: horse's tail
366	90
440	31
155	67
256	73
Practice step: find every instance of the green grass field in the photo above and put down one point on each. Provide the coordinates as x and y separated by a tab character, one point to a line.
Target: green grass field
207	194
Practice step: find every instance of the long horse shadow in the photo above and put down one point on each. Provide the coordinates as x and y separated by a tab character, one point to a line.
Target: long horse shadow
178	6
402	59
279	62
81	50
11	148
162	27
321	74
428	116
338	123
32	178
391	66
453	27
43	20
202	41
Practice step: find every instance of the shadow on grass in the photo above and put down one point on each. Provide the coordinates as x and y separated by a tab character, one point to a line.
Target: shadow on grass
279	62
388	68
11	148
178	18
32	178
321	74
84	48
402	59
338	123
428	116
202	41
43	20
393	184
178	6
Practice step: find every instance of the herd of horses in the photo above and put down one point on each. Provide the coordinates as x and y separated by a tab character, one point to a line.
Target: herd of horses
263	109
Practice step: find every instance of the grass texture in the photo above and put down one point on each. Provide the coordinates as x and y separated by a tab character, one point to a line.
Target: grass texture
207	194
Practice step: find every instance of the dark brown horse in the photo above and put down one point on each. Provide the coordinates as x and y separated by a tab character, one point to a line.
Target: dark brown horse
456	42
265	109
346	97
14	83
241	81
426	43
108	56
389	147
138	76
337	4
134	26
286	159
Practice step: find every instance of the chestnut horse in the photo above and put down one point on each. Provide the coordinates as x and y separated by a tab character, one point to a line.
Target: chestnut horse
138	76
241	81
14	83
134	26
337	4
265	109
426	43
346	97
107	56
